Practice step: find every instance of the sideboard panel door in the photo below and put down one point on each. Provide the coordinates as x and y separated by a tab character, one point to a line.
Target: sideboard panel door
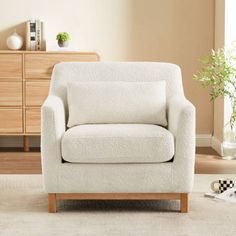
32	122
10	66
40	66
11	120
36	92
10	93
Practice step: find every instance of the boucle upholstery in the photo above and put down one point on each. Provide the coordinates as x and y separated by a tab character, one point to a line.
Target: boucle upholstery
117	143
175	176
117	102
66	72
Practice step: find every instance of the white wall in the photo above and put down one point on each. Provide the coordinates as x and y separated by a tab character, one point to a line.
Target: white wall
225	35
230	38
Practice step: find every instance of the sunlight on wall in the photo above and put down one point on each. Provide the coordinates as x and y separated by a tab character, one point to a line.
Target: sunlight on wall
230	37
230	22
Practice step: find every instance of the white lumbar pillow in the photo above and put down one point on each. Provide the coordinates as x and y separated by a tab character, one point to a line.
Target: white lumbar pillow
117	102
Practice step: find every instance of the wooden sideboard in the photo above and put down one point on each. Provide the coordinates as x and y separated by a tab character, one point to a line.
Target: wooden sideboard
24	84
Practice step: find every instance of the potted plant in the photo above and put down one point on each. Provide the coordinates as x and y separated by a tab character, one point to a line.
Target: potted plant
219	73
63	39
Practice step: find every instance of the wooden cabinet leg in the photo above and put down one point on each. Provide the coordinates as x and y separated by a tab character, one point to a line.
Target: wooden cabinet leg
184	203
52	203
26	143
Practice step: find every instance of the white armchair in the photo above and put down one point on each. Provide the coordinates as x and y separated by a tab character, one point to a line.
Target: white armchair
120	160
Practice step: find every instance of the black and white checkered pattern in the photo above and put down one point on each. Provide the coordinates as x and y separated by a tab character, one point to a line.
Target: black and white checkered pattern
225	184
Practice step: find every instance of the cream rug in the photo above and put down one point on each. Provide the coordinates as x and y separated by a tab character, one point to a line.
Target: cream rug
23	212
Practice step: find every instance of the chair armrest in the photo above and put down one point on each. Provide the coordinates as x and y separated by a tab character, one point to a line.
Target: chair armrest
181	123
53	127
181	119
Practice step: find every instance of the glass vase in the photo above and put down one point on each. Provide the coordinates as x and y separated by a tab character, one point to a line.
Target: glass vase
229	143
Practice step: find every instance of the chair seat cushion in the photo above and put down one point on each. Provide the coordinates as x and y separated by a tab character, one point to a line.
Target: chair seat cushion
117	143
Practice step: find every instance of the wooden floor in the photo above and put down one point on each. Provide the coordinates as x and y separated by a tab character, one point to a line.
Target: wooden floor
209	162
18	162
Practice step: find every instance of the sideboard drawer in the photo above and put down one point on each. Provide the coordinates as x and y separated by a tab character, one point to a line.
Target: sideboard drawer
36	92
41	65
32	122
11	120
10	66
10	93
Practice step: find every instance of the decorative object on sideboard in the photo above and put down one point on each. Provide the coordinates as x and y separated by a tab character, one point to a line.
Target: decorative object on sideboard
35	35
219	73
15	41
63	39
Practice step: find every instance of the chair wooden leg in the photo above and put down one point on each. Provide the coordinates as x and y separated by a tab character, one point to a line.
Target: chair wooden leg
184	203
52	203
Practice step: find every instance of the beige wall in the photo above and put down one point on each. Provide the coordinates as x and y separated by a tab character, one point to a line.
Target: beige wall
219	43
178	31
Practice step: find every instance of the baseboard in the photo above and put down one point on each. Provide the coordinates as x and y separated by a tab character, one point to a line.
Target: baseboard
203	140
216	144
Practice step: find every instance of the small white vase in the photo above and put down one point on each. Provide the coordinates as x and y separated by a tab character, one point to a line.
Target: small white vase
15	41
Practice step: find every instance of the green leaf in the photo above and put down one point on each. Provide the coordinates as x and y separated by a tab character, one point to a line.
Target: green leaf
219	73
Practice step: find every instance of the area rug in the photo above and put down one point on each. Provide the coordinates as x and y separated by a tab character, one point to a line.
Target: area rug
23	212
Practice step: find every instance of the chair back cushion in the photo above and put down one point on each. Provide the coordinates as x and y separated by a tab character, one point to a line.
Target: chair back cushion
66	72
117	102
